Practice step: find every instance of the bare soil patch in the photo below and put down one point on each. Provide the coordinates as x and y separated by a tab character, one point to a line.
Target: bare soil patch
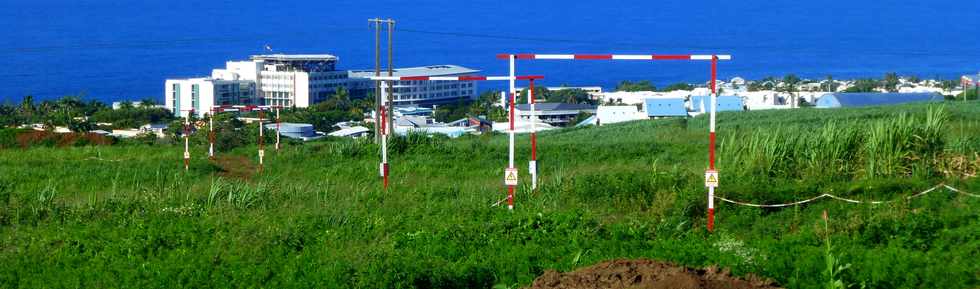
642	273
34	138
238	167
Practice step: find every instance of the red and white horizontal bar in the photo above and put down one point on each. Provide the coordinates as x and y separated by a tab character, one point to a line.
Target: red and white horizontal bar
244	107
458	78
616	56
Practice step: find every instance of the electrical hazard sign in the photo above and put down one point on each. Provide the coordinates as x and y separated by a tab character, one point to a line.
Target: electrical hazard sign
510	177
261	153
187	155
711	178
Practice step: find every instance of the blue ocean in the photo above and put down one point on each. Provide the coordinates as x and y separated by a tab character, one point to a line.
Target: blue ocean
115	50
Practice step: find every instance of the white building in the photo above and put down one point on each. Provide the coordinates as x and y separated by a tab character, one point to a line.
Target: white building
639	97
300	80
595	92
351	132
425	92
522	126
278	79
201	94
607	114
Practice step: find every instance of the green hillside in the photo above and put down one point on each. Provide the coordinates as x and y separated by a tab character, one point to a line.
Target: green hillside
128	216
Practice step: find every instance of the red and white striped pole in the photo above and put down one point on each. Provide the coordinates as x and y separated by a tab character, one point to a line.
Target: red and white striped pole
278	129
261	139
211	133
510	163
711	143
533	165
384	145
187	146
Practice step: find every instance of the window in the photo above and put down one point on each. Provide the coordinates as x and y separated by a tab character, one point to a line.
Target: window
195	97
176	98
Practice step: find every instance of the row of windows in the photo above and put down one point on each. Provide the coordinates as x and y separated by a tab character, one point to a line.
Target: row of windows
430	95
278	77
430	82
278	94
422	89
435	87
279	102
328	77
277	87
326	85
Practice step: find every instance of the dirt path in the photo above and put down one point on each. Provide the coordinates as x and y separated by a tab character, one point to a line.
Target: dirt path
235	167
644	273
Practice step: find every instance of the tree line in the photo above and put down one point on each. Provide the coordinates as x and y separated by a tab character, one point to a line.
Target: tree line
79	115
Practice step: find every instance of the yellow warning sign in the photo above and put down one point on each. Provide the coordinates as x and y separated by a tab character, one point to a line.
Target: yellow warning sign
510	177
711	178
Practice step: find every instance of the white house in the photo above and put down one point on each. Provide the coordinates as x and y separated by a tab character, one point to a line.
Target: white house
768	99
522	126
351	132
606	114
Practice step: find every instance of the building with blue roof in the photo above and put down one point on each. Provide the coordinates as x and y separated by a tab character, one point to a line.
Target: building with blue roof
834	100
725	103
300	131
665	107
413	111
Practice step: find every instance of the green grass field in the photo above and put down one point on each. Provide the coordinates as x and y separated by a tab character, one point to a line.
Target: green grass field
128	216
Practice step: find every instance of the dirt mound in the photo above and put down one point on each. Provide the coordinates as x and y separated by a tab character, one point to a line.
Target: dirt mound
646	274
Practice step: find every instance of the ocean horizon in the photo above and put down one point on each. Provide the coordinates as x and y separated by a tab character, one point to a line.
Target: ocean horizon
125	51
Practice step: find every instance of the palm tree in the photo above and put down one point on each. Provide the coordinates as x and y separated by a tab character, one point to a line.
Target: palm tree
890	82
789	85
830	83
27	109
147	103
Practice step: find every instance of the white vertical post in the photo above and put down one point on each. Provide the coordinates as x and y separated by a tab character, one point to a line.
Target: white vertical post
211	134
533	165
261	140
278	129
711	140
187	146
385	129
510	163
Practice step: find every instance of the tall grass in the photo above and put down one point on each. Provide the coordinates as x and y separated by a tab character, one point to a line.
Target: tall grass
317	216
837	150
